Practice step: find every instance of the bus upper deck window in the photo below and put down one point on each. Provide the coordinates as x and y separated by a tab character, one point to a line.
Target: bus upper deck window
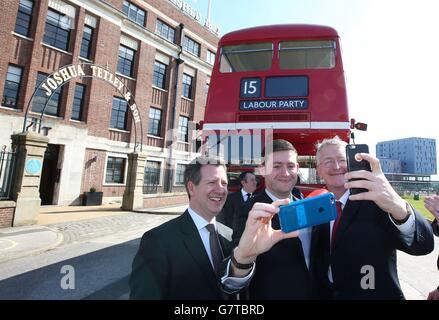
307	54
246	57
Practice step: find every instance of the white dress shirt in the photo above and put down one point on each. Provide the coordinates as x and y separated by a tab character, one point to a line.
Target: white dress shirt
244	194
232	283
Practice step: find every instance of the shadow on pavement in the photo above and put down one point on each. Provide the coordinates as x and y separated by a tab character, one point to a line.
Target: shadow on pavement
102	274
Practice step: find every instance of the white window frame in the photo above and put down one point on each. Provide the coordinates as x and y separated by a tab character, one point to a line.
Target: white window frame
175	174
161	160
115	155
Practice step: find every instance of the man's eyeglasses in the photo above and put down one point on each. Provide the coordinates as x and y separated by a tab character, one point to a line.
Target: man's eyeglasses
330	163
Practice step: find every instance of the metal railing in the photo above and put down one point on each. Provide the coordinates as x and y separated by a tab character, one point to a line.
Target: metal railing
150	184
7	167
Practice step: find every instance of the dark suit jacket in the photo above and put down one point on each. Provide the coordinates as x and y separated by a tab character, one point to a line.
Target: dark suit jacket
365	237
172	263
281	273
435	227
233	203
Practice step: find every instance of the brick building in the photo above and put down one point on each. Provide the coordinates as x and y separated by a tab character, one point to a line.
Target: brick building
156	48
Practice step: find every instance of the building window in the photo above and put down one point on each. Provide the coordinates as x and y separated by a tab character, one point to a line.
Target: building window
24	17
78	102
134	13
151	179
40	98
125	62
187	86
165	31
119	114
206	88
206	91
183	129
87	38
57	32
179	174
159	75
191	46
155	121
12	86
210	58
115	170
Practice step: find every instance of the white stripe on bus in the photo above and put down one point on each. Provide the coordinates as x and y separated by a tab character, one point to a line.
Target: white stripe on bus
276	125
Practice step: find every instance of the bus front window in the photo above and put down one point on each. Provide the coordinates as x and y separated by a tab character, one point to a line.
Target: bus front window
246	57
307	54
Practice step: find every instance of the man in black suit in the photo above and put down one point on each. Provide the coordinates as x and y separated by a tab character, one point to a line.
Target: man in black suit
282	272
184	259
236	199
432	205
358	259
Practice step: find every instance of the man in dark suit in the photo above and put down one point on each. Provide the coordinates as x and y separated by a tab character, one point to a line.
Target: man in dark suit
282	272
357	260
236	199
184	259
432	205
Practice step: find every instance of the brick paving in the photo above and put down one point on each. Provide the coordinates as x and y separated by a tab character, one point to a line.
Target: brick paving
84	230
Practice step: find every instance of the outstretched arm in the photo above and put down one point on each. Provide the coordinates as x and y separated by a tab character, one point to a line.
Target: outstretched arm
380	190
432	205
258	236
413	228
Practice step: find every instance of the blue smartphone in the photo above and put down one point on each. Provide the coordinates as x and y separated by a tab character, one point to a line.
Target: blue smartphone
308	212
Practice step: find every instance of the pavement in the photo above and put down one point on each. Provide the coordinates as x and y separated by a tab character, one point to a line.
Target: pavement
50	230
59	225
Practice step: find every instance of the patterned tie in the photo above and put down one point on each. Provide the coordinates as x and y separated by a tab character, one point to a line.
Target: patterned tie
249	195
336	222
215	248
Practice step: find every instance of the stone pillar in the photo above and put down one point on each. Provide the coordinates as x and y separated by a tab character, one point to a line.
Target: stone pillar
133	195
30	148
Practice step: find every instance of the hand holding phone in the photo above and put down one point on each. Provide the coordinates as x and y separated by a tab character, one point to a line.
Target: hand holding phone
354	164
307	212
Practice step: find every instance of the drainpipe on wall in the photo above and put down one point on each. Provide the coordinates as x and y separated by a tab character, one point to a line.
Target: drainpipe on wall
178	61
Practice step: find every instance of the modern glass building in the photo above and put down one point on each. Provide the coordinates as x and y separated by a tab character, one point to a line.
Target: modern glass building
410	155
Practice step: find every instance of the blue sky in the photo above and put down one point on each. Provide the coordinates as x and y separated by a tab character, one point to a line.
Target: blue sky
390	53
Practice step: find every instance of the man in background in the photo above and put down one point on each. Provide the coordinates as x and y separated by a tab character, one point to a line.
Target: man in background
236	199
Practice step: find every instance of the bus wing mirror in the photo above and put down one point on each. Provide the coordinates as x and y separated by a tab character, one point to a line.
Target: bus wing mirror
361	126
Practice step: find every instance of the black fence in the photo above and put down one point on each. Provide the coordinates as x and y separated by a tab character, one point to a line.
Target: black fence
150	186
7	167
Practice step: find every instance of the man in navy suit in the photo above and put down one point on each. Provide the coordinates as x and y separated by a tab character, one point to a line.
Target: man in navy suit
283	271
185	259
236	199
358	261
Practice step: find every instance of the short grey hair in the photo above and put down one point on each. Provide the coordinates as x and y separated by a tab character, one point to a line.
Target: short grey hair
336	141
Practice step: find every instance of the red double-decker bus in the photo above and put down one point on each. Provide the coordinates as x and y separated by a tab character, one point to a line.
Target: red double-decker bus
279	81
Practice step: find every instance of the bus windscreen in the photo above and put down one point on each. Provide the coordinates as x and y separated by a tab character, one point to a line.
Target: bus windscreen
246	57
307	54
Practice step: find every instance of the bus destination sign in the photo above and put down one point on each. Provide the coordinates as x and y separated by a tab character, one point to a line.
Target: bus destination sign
288	104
